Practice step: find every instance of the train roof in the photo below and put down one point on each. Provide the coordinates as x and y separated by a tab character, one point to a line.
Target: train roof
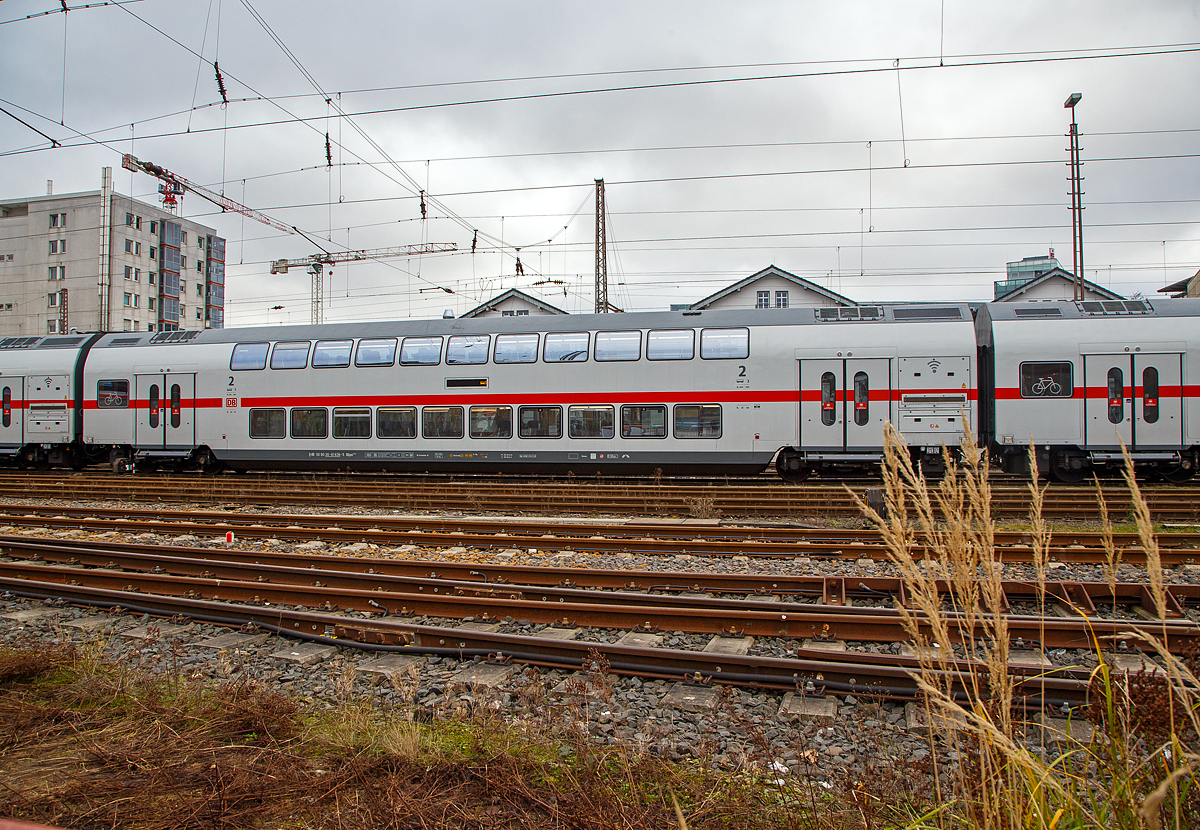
1076	310
860	315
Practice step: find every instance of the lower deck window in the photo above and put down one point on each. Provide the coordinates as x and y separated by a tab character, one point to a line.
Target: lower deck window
268	423
590	421
540	421
399	422
491	422
352	422
643	422
442	422
310	423
698	421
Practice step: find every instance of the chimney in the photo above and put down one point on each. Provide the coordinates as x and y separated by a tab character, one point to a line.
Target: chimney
49	187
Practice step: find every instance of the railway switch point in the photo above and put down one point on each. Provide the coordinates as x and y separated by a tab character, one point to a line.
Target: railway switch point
824	645
306	654
233	641
484	675
794	706
551	633
906	650
729	645
382	668
691	698
640	639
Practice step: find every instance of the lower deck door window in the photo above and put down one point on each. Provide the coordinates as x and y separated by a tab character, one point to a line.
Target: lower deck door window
643	422
398	422
540	421
491	422
862	399
267	423
1150	395
698	421
1116	395
310	422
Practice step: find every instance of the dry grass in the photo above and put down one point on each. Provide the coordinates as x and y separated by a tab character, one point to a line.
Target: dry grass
1140	769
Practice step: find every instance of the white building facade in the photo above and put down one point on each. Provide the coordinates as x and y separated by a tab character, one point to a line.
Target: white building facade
102	261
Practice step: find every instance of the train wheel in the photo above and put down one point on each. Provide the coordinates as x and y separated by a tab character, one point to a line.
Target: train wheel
1068	469
791	468
1177	474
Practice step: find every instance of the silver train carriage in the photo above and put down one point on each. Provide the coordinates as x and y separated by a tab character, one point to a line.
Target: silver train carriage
41	401
1079	379
703	393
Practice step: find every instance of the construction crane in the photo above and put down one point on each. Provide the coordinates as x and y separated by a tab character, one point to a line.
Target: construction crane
172	188
317	262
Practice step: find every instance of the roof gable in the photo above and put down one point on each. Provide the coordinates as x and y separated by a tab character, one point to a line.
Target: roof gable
773	271
512	294
1056	274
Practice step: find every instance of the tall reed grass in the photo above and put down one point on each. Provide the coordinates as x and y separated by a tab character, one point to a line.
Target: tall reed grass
1138	771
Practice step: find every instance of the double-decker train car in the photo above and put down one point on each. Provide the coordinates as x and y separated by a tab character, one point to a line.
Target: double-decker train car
41	401
705	393
1078	379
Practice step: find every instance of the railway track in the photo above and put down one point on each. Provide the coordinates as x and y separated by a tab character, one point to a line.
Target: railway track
657	538
645	497
372	603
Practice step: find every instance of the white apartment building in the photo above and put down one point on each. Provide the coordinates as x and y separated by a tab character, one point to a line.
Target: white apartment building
101	261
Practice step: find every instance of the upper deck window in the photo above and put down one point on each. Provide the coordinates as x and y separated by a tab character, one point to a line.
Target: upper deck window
332	354
678	344
290	355
566	347
377	352
467	348
247	356
618	345
516	348
724	344
423	351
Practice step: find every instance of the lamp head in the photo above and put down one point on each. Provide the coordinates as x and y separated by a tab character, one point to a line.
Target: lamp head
1073	100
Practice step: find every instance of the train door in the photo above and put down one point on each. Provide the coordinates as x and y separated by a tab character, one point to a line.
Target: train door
1108	413
1157	400
844	403
165	410
47	408
12	410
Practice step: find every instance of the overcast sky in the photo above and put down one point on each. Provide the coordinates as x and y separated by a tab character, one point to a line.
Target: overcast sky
888	150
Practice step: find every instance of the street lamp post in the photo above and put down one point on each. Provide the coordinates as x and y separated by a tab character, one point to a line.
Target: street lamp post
1076	198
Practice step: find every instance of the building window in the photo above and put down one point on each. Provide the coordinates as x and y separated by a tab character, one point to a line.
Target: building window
129	220
199	290
150	277
781	299
200	265
54	246
135	300
197	314
58	220
137	274
182	263
183	237
137	223
153	252
129	246
508	314
58	272
128	272
153	227
51	326
52	299
149	327
137	248
127	300
522	312
763	300
151	303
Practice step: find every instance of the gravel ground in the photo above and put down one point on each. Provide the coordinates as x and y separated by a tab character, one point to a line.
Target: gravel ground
742	725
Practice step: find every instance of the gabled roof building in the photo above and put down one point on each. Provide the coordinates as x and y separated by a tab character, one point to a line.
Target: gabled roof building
512	303
772	287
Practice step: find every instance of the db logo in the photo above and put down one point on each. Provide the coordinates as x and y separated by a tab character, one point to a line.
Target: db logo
231	403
